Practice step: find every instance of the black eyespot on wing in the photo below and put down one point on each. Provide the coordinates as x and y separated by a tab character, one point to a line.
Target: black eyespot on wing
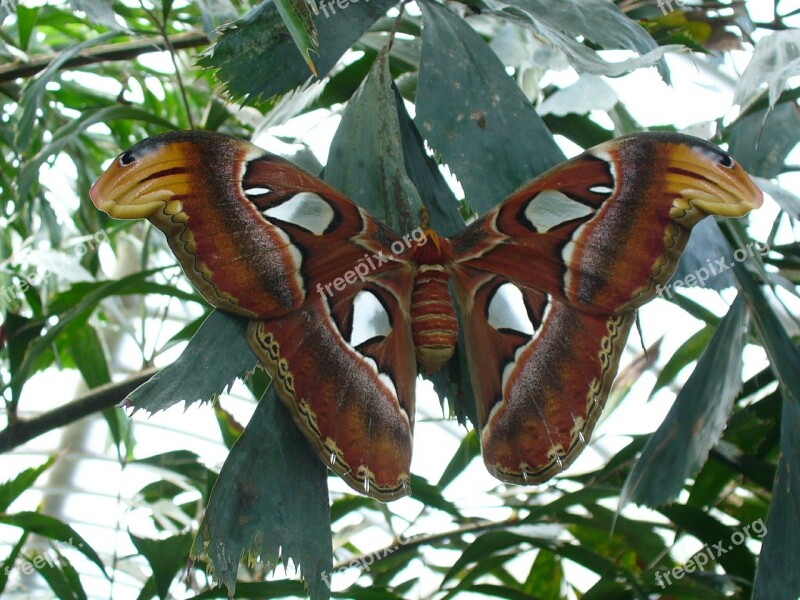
126	158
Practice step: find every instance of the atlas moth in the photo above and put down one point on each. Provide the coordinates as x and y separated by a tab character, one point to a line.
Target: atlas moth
582	247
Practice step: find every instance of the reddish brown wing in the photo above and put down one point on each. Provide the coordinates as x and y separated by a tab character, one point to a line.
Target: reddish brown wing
255	234
355	404
586	243
259	237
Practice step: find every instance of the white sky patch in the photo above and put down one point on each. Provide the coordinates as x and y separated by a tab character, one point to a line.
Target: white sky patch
306	210
507	310
551	208
370	319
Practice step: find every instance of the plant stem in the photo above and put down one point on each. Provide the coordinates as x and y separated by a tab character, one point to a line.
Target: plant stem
109	52
96	400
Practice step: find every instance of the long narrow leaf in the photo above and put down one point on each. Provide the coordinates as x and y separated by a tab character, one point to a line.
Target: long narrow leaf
297	17
681	444
78	311
29	172
53	529
370	127
10	490
34	92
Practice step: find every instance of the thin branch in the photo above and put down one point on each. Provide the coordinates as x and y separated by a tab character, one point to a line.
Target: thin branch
109	52
96	400
163	30
404	545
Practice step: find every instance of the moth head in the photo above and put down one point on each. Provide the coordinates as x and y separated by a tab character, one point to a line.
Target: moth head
159	172
704	177
716	183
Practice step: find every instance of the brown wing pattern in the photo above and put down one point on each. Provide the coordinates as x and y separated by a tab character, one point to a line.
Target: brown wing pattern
586	243
604	229
259	237
355	404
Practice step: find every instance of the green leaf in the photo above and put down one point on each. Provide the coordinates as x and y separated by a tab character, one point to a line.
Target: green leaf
584	496
431	496
199	374
29	172
60	576
483	546
697	310
265	590
270	501
26	21
736	559
698	260
87	351
34	91
229	427
349	504
600	21
468	449
489	566
55	530
580	129
100	12
680	446
473	114
77	312
688	352
182	462
11	559
762	140
783	520
297	18
166	557
256	59
10	490
773	578
21	333
546	576
606	531
366	155
486	590
423	171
